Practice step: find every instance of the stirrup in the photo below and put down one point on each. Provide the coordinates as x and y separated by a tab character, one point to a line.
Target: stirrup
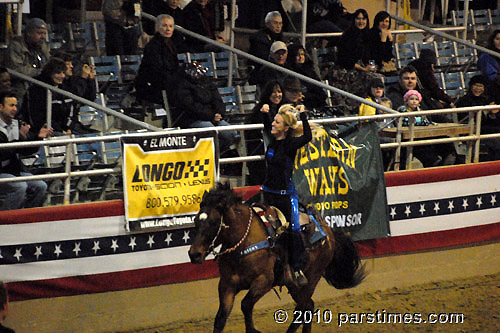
300	278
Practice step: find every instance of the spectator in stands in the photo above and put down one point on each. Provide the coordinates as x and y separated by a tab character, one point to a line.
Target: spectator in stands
427	155
79	81
352	48
271	98
490	123
261	41
434	96
277	55
122	28
158	7
375	93
159	68
206	18
299	61
407	81
489	65
5	82
477	95
380	42
292	91
11	166
199	104
34	108
27	54
4	308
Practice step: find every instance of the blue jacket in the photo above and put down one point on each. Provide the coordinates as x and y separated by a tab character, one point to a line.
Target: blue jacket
488	66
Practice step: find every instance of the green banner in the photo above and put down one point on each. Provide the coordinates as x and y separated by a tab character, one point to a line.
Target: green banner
343	178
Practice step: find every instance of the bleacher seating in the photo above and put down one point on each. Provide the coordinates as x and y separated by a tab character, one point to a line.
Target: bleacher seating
217	65
405	53
480	20
453	84
239	102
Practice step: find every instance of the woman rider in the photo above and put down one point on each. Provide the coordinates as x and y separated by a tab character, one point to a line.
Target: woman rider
278	187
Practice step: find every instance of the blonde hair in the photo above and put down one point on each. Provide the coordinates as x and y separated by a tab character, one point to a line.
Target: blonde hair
290	117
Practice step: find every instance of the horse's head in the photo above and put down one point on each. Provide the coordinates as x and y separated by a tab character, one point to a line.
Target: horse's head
209	221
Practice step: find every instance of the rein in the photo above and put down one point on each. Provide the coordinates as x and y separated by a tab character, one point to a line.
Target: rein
223	225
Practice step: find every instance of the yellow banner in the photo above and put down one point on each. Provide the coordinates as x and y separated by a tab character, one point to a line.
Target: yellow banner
165	177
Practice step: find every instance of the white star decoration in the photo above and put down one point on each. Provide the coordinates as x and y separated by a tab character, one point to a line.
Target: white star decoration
18	254
168	239
493	199
450	205
57	250
77	248
436	207
38	252
186	236
114	244
132	243
96	247
150	241
479	201
408	211
422	209
465	204
393	212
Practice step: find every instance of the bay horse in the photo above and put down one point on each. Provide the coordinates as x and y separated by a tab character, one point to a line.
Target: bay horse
225	220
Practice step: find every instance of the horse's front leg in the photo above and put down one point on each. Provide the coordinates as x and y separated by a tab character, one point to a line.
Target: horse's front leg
260	286
226	301
300	310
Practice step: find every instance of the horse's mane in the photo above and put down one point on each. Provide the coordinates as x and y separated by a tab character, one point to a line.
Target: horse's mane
221	193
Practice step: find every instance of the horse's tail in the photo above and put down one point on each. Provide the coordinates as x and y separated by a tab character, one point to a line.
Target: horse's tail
345	269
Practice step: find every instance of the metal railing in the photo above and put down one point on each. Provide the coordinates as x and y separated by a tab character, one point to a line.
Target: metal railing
473	138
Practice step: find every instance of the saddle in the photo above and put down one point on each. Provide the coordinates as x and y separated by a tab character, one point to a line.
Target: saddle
277	225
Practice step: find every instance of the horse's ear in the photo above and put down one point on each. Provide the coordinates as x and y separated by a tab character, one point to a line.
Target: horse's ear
204	195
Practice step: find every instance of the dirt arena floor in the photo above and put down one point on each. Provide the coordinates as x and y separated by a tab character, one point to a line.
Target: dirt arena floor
464	305
399	294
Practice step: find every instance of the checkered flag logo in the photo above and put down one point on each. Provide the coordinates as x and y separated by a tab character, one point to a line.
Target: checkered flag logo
197	168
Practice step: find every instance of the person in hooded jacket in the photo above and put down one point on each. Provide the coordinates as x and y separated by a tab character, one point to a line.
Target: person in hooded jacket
159	67
199	104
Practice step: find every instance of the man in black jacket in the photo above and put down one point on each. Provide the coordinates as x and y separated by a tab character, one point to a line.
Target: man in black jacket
261	41
11	166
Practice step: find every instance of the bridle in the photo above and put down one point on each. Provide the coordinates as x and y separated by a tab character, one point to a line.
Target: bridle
211	248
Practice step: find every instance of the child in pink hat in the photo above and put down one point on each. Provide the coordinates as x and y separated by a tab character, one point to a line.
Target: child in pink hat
412	100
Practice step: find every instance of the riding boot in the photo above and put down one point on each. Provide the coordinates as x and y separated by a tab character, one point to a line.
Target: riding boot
296	249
